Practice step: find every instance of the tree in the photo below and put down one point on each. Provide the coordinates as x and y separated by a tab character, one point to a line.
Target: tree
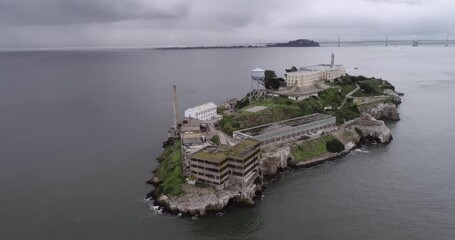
269	74
292	69
334	146
269	83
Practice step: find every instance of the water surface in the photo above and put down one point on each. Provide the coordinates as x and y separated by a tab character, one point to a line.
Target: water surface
80	131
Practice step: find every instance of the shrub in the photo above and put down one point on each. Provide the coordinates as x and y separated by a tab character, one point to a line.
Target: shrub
334	146
348	112
243	103
215	139
170	170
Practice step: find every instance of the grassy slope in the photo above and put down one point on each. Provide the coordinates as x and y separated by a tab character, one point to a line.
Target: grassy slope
310	149
170	170
277	109
281	108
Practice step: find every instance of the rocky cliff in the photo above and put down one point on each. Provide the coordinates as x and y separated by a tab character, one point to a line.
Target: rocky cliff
274	161
198	201
370	129
384	111
395	97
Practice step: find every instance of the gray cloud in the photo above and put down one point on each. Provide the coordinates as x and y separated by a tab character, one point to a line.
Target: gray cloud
61	12
48	23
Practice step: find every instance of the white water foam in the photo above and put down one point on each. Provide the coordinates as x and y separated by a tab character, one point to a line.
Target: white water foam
361	150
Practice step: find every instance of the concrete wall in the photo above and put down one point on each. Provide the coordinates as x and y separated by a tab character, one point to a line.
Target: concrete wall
307	78
368	100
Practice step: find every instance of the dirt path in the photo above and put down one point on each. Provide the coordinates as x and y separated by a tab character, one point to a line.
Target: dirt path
348	96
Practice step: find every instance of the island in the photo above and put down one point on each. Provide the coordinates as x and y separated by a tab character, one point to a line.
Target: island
227	154
295	43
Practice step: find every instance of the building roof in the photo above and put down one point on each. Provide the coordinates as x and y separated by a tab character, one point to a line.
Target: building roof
243	149
320	67
212	154
203	107
219	154
285	124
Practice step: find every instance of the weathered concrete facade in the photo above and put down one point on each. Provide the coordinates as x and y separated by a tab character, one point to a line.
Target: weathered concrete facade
223	165
307	76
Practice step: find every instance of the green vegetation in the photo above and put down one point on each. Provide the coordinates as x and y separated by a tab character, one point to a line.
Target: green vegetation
334	146
278	108
348	112
347	89
310	149
271	81
216	156
244	147
368	86
292	69
243	102
170	170
220	110
281	108
215	139
331	97
311	105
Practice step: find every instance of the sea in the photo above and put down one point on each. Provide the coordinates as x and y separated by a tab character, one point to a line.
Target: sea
80	131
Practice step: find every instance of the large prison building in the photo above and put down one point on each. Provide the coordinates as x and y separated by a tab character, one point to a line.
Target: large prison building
223	165
307	76
288	129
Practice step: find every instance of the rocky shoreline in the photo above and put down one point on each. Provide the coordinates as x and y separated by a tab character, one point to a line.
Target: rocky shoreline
203	200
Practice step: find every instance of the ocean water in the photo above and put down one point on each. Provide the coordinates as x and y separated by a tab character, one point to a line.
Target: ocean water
80	131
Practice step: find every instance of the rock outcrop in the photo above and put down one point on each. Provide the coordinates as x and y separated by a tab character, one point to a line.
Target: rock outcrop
154	181
349	137
395	96
274	161
370	129
384	111
201	200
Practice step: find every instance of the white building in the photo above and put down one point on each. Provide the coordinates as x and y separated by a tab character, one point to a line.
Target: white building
307	76
202	112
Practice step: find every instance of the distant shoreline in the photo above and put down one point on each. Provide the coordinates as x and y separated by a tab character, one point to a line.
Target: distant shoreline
295	43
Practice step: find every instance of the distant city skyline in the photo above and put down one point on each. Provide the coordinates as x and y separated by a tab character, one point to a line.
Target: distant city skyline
116	23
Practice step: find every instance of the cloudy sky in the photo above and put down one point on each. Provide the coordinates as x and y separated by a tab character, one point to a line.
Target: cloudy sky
93	23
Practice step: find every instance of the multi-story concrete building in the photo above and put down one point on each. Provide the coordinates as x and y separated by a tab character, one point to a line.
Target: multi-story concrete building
288	129
223	165
307	76
205	111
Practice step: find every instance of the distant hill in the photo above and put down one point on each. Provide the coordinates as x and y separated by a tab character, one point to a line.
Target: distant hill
296	43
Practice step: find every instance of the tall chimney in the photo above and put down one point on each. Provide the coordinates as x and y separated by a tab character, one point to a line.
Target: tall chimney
175	107
332	62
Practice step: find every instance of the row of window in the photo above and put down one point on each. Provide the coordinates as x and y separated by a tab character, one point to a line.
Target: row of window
208	162
206	113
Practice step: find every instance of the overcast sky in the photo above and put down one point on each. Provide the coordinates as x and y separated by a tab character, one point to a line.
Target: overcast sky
79	23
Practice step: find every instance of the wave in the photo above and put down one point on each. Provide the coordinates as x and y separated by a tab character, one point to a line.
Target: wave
361	150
